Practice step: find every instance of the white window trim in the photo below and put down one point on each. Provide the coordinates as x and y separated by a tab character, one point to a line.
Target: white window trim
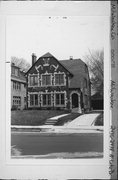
59	92
44	93
46	73
64	79
29	80
31	93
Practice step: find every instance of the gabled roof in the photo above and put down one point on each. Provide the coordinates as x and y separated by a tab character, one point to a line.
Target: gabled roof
77	67
50	55
47	55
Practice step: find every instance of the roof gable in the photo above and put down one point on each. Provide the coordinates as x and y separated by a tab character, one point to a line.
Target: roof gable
48	55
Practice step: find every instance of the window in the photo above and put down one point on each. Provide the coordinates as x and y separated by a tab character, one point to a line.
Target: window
46	80
16	85
16	100
59	79
33	99
46	99
15	71
34	80
60	99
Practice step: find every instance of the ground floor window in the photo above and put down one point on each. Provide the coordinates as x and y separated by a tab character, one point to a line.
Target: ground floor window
16	100
33	99
46	99
60	99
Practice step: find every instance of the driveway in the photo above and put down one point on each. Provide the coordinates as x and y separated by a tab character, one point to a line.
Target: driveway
83	120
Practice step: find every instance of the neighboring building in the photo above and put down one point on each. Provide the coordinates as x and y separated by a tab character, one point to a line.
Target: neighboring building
97	101
58	84
18	88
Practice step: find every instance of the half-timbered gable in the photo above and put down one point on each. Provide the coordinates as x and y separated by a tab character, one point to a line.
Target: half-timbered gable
57	84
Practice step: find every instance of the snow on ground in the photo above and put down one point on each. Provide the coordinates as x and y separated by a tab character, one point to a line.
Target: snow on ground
83	120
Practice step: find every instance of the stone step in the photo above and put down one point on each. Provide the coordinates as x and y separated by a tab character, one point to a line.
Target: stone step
51	121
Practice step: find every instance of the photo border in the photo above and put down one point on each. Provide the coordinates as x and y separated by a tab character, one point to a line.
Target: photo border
18	167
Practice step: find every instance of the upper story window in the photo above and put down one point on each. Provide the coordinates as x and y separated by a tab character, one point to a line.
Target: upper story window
15	71
16	85
46	80
33	80
59	79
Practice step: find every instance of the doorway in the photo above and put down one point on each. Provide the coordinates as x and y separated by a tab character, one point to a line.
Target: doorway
74	100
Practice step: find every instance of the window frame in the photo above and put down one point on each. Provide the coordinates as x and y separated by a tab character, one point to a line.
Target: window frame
46	74
47	94
34	100
60	99
29	80
64	79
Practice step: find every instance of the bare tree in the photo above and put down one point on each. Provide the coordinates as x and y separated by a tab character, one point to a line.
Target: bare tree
95	64
21	63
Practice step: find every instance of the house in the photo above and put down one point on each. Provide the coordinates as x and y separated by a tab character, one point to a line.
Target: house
18	88
55	84
97	101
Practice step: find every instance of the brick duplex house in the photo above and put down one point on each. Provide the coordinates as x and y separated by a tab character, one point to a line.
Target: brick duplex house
58	84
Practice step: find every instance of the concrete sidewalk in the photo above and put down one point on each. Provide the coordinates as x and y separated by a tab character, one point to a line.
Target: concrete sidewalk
83	120
58	129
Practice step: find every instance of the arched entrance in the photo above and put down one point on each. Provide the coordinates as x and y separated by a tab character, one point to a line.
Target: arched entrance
75	100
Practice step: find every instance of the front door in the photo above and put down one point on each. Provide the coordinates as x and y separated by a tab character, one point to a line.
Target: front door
74	100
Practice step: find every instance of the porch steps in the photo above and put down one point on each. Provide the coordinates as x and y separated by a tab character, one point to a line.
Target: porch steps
51	121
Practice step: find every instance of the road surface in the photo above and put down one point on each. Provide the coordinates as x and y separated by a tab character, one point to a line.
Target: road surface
35	143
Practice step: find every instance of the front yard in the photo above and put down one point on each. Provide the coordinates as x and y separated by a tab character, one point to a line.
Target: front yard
33	117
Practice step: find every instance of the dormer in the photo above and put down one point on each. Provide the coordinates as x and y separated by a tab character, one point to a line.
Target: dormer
15	71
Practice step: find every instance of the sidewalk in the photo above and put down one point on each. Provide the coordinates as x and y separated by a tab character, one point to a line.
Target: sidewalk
84	120
58	129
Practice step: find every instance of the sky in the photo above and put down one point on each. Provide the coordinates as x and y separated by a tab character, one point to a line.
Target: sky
62	37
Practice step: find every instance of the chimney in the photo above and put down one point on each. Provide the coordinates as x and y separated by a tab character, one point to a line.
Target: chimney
71	57
33	58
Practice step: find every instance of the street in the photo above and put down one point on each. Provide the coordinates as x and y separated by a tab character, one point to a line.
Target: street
35	143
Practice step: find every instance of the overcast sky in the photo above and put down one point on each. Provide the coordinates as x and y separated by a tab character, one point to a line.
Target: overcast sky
62	37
